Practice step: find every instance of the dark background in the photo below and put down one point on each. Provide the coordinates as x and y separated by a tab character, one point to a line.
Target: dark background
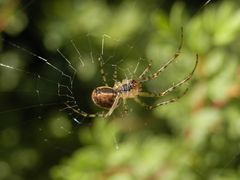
194	138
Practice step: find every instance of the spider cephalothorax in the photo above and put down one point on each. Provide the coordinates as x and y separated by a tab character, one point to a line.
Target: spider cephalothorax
127	88
109	98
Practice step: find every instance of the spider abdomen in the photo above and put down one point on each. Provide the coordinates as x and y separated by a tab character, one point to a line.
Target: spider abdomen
104	96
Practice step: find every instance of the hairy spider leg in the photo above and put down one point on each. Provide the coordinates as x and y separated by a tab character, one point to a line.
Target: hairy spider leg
149	107
177	53
84	114
103	114
146	70
115	73
100	60
125	107
170	89
103	74
114	106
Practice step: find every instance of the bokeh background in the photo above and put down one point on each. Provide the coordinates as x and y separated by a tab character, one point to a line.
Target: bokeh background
195	138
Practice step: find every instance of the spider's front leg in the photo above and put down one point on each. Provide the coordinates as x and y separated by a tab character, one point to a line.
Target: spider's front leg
170	89
146	70
177	53
149	107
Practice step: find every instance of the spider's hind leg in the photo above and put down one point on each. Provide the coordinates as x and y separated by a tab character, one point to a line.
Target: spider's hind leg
76	110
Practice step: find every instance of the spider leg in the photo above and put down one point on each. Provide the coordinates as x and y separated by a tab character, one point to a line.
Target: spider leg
149	107
103	74
114	106
82	113
170	89
177	53
137	100
146	70
125	107
115	73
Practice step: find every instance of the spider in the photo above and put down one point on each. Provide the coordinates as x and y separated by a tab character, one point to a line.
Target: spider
109	98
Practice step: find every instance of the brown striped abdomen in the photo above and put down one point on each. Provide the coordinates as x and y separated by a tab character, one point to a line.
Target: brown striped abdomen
104	96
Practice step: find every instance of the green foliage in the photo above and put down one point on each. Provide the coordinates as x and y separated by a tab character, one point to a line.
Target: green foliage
194	138
203	143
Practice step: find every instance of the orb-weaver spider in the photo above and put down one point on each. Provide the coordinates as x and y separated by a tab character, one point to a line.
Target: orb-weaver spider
108	98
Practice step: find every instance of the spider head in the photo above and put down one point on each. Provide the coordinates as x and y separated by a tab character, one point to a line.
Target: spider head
134	84
128	88
128	85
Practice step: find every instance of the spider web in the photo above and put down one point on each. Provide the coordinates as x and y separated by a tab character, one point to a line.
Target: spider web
55	83
65	77
62	83
46	85
55	78
49	88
